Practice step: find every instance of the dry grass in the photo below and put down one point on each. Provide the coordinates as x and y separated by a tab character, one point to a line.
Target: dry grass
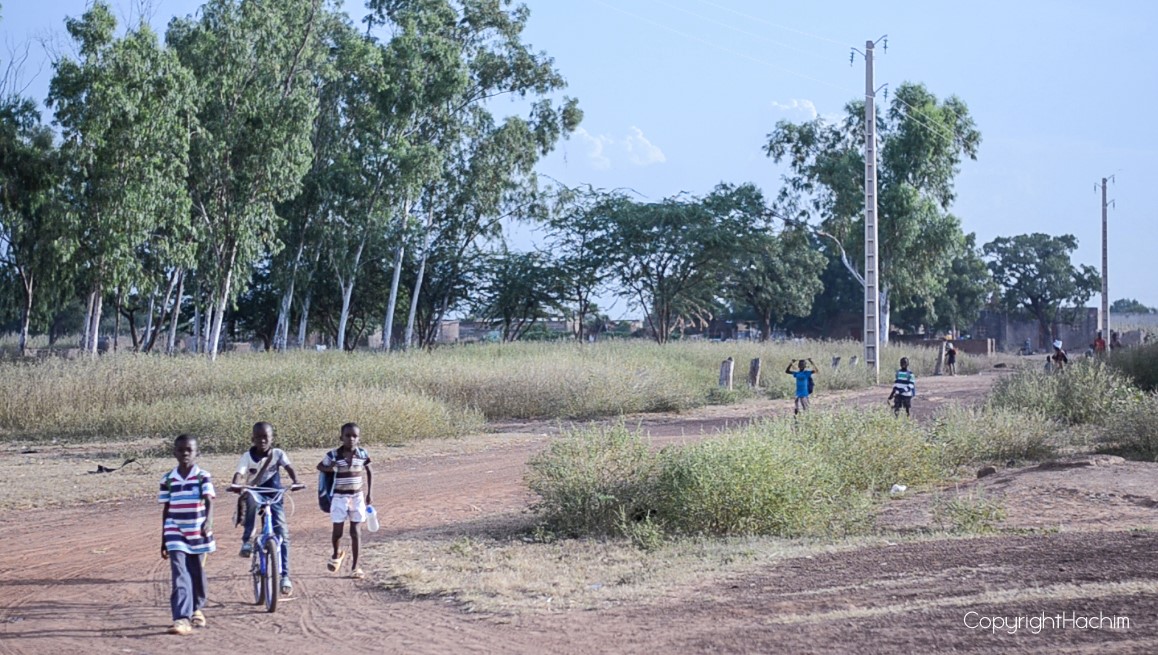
512	574
395	398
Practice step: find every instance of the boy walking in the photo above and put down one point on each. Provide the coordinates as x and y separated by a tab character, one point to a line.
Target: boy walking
187	534
261	466
804	383
904	388
353	481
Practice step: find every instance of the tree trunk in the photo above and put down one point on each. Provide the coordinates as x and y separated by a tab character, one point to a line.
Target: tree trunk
218	315
281	333
26	311
146	337
154	328
116	320
408	340
392	304
220	303
347	287
302	323
197	326
171	346
94	329
87	323
885	309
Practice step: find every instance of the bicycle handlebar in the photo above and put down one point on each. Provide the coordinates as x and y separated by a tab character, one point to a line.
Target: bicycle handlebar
265	495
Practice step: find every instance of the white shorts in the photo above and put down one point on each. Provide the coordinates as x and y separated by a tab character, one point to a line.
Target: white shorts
348	506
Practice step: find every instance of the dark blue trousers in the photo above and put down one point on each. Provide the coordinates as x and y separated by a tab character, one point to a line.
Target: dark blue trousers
189	583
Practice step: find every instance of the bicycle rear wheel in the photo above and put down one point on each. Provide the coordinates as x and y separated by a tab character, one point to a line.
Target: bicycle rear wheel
258	581
272	576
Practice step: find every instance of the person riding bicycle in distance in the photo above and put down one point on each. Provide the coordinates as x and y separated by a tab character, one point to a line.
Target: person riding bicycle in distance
261	466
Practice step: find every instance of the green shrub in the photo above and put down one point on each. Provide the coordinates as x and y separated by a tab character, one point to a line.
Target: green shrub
971	435
816	476
972	514
1132	431
1084	392
1140	364
593	481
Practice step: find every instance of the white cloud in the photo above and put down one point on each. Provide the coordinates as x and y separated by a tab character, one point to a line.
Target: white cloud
796	106
635	147
595	148
641	151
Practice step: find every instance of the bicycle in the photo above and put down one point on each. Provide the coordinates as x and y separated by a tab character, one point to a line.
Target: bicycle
265	566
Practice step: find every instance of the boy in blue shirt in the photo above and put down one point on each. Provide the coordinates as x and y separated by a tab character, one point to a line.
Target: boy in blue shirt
187	534
804	383
904	388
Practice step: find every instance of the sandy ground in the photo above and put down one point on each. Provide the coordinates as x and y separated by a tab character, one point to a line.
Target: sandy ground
88	578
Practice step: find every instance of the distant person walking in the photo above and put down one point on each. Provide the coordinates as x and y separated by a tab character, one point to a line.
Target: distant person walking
904	389
951	358
1059	360
804	383
1115	341
1099	345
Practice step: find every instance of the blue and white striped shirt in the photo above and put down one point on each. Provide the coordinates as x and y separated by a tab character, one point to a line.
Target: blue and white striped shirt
905	384
186	497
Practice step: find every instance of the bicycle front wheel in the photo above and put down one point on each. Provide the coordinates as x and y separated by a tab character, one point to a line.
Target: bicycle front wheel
272	575
258	578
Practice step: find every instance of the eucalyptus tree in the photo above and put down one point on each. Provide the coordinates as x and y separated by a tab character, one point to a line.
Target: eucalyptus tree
124	111
34	237
922	142
479	50
255	63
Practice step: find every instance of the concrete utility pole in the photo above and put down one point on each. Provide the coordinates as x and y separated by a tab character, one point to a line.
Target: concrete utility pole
1104	315
872	336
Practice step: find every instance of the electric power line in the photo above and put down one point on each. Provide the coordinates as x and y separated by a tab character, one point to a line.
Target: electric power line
776	25
718	47
738	30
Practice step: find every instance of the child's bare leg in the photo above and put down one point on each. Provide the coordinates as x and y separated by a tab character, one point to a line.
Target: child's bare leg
337	538
355	543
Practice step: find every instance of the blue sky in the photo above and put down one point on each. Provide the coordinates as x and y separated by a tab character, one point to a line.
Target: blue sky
679	95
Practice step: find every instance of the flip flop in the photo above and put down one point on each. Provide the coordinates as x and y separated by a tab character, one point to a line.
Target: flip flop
357	574
335	563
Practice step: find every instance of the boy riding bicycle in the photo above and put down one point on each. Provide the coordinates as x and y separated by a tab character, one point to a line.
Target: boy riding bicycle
261	466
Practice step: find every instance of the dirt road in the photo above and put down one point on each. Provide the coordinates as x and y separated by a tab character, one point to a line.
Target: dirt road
88	579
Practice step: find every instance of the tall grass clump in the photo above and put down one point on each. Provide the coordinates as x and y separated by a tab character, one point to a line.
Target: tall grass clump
973	435
1132	431
817	476
591	480
1084	392
1140	364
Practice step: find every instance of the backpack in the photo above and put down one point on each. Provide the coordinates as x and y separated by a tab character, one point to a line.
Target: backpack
327	481
811	385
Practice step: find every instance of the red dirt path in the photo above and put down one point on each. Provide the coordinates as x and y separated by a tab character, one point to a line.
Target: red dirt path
88	579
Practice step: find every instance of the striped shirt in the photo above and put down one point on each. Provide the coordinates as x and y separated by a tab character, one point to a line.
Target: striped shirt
350	472
186	498
905	384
